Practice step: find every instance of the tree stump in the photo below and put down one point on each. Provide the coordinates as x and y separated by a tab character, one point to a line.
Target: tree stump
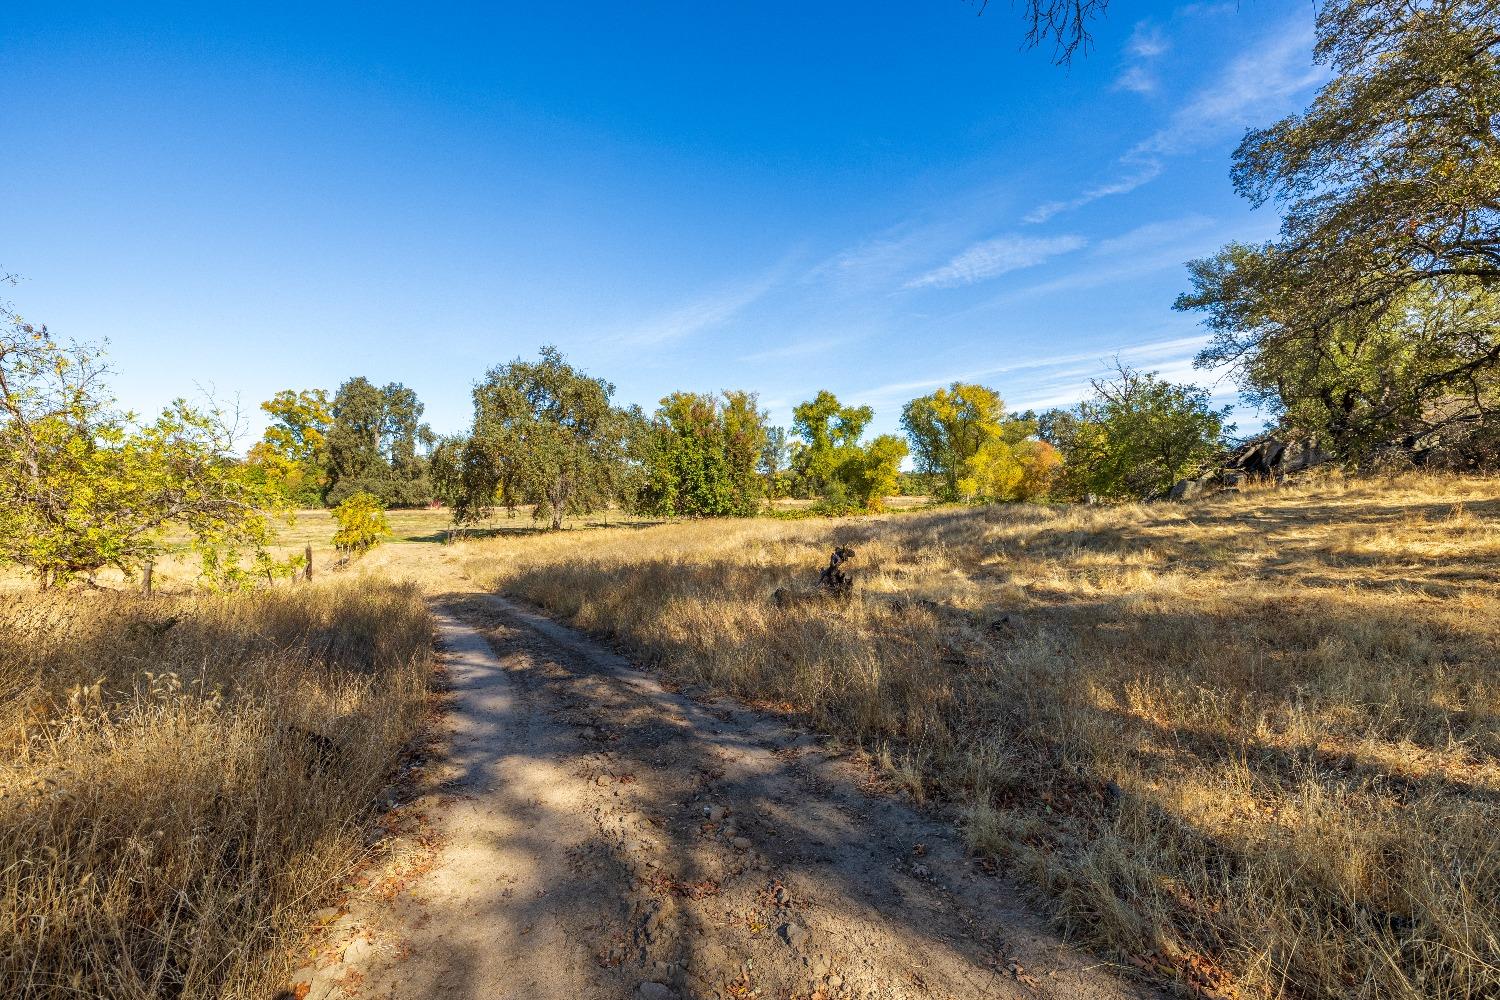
835	579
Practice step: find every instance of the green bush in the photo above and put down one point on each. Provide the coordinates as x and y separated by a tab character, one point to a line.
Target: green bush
362	524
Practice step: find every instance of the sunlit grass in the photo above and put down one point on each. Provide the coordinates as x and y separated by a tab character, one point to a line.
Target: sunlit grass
1251	742
184	779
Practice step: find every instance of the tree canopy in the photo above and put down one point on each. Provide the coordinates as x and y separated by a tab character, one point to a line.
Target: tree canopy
373	444
293	453
1372	314
545	434
1134	437
84	486
703	455
831	464
962	437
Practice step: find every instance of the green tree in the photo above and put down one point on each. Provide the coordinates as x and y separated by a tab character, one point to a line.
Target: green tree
461	479
84	487
362	524
831	464
826	429
1135	437
545	434
292	454
373	444
1371	314
703	455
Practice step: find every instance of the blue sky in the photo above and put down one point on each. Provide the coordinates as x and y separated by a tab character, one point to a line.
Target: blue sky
875	199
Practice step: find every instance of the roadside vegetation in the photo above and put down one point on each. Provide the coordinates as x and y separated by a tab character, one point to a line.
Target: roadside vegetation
1249	744
184	779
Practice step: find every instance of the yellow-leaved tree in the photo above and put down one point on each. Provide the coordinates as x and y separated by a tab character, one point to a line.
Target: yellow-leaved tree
963	438
362	524
293	455
84	486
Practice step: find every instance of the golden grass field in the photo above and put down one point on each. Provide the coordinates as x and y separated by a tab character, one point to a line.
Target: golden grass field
183	780
1251	743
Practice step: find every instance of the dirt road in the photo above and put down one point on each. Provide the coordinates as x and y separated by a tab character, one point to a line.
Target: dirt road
597	836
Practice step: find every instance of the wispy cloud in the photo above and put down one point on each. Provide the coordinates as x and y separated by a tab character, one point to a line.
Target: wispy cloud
1152	234
1144	250
1147	44
1166	355
1252	88
1144	174
1147	41
1137	80
702	314
995	257
798	349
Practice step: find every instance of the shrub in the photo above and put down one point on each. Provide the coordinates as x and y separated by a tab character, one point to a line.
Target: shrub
362	524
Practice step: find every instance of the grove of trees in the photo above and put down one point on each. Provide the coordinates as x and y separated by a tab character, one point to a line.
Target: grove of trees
829	462
703	455
963	439
1134	437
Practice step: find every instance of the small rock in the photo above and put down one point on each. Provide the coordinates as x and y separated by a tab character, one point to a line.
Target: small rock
603	779
794	934
782	896
326	914
358	950
741	843
716	814
654	991
921	871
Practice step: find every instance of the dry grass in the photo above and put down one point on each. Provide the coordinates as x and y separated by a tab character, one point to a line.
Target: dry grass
182	780
415	536
1252	743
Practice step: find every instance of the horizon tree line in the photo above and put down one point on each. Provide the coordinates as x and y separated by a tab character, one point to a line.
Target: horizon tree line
549	436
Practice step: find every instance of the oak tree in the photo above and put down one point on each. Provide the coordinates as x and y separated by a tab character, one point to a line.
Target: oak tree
545	434
1372	314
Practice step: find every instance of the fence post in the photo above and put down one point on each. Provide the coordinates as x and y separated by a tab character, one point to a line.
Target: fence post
146	577
307	566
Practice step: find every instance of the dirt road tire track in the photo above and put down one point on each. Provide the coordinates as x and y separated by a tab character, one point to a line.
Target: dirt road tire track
603	837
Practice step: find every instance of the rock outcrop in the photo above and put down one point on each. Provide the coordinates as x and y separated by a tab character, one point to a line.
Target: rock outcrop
1267	457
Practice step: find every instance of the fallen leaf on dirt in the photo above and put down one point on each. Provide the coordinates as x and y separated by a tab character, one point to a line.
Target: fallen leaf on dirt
1019	973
